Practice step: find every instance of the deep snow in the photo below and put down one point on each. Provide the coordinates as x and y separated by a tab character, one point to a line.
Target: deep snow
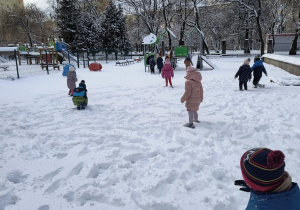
129	149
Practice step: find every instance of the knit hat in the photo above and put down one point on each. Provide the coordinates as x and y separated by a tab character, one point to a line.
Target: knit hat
247	61
190	68
167	62
71	68
82	81
263	169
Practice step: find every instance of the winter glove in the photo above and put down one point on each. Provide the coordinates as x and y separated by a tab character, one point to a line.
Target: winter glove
242	183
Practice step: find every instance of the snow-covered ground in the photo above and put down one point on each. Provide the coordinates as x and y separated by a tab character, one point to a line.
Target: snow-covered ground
129	149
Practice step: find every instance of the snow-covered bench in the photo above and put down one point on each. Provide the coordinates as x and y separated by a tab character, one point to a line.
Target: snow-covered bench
4	67
130	60
122	62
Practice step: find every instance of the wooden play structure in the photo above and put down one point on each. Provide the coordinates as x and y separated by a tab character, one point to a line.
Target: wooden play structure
200	44
48	56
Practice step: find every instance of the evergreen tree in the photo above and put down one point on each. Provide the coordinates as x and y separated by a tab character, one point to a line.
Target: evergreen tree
114	35
67	18
89	32
124	41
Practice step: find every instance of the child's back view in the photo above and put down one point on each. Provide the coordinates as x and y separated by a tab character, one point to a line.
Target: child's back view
80	96
71	80
244	74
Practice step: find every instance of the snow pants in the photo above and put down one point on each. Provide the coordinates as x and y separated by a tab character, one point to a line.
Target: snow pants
241	85
169	82
256	80
193	116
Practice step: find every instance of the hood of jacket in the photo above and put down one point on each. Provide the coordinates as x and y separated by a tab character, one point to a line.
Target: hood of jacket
194	75
259	63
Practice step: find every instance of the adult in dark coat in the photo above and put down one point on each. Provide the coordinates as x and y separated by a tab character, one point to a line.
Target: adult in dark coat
244	74
258	68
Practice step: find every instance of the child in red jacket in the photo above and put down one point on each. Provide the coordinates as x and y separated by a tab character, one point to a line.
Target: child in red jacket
167	72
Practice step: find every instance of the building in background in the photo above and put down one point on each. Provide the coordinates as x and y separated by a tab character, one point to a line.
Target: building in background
11	4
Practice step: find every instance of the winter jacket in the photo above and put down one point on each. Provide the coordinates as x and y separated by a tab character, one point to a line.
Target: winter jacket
244	73
160	63
152	63
167	71
193	94
80	96
71	80
188	62
286	200
258	68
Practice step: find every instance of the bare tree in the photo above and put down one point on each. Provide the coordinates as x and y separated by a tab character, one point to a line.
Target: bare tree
32	22
183	12
293	50
255	6
148	13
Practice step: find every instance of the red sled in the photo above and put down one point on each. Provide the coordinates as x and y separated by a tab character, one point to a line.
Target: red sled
95	67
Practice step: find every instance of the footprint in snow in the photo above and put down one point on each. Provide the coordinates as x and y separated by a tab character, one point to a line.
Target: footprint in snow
16	177
76	170
44	207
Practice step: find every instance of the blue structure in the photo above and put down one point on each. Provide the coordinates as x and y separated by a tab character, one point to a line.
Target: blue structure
66	69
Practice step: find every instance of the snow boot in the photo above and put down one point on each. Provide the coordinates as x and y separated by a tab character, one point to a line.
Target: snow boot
189	125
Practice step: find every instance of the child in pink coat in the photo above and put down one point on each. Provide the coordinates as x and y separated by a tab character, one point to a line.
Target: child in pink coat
193	95
167	72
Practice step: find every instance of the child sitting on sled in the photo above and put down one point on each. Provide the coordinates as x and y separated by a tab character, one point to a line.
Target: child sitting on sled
80	96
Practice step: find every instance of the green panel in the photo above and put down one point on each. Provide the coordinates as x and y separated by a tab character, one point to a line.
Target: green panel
22	48
51	44
181	51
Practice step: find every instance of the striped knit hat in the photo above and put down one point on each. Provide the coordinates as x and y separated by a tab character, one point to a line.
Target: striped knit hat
263	169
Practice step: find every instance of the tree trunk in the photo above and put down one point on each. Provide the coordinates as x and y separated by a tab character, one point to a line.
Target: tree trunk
246	42
262	43
293	50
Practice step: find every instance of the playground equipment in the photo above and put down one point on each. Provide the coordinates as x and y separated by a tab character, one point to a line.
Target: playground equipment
48	56
200	56
162	40
66	69
151	39
62	49
95	67
172	38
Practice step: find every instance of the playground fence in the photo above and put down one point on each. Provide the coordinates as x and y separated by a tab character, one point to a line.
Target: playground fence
14	67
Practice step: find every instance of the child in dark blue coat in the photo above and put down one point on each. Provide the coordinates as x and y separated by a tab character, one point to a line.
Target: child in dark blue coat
270	186
160	63
80	96
258	68
244	74
152	64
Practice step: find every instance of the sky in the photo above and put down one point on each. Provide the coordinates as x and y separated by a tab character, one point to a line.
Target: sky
40	3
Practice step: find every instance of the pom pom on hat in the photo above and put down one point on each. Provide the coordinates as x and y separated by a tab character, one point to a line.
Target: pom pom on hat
263	169
275	159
